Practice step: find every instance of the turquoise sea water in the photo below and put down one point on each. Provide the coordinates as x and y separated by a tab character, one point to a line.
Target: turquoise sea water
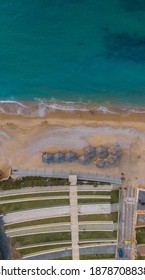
73	50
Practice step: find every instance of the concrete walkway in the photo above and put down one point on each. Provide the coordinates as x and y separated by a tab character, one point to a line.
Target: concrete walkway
49	189
91	242
33	190
59	197
114	207
63	252
62	227
74	217
36	214
48	212
54	173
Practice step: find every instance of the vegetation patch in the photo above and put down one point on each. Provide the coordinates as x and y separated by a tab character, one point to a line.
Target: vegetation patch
54	220
140	235
42	248
34	195
94	183
139	257
97	234
114	196
32	181
4	208
92	200
93	193
41	238
99	217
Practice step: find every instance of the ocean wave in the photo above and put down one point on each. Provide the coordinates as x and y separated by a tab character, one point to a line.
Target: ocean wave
138	111
105	110
65	107
12	102
40	107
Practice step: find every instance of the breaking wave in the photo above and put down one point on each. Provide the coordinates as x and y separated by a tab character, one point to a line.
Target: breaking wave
40	108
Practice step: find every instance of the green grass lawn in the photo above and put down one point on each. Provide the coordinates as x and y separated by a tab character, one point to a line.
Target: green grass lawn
99	217
140	235
97	257
60	219
140	257
41	238
34	195
32	181
92	200
42	248
94	183
5	208
97	234
114	196
93	193
49	193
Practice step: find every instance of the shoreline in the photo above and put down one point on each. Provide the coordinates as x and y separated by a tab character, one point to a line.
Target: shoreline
40	108
72	118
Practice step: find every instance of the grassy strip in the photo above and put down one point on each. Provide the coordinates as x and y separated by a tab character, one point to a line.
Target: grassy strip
97	257
34	195
140	235
93	193
97	234
32	181
114	196
94	183
60	219
94	217
41	238
139	257
92	200
99	217
4	208
42	248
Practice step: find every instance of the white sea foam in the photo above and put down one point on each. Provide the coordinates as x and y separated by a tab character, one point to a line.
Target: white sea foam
139	111
40	107
65	107
104	110
13	102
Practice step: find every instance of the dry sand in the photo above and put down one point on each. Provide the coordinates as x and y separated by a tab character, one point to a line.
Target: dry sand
23	139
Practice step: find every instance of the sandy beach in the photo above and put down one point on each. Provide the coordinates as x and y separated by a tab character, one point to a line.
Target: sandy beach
23	139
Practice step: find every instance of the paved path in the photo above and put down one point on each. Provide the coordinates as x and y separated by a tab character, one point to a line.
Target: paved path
63	227
39	229
59	197
114	207
126	226
141	249
36	214
33	190
35	245
91	242
45	172
63	252
74	217
94	208
48	212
